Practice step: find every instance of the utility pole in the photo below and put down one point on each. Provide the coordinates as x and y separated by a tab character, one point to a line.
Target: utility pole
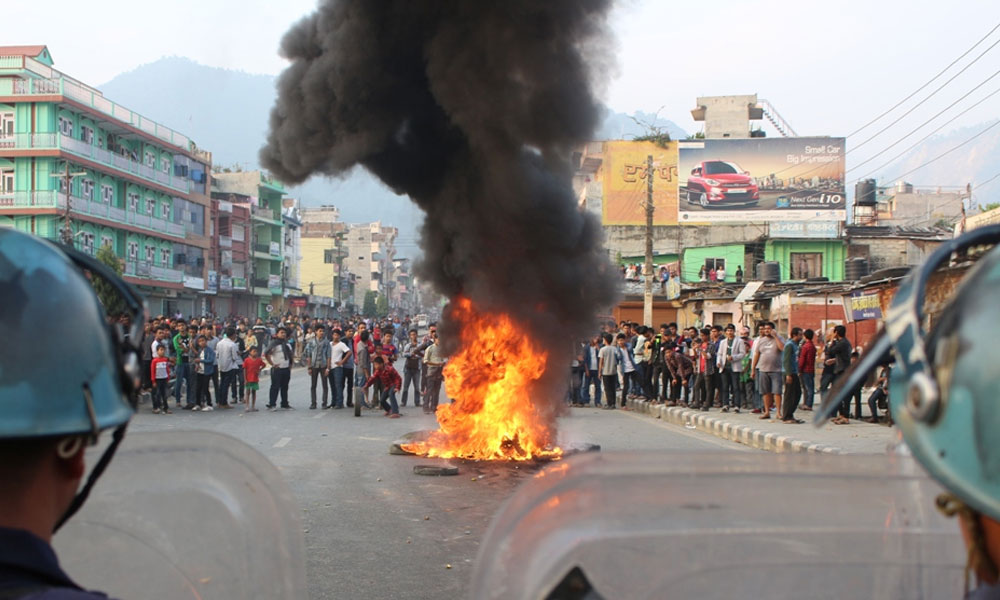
647	303
67	178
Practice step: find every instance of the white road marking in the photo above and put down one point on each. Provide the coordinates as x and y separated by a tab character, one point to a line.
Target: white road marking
703	436
282	442
321	415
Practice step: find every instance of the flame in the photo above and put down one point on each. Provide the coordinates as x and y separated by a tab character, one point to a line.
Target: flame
492	378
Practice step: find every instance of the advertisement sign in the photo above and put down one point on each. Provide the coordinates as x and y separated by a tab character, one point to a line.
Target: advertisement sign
274	282
297	301
760	180
213	281
195	283
805	229
225	283
864	305
625	181
275	249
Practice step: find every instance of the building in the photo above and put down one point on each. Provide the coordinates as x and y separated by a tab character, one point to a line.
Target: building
264	197
370	252
231	258
76	166
324	272
291	250
903	205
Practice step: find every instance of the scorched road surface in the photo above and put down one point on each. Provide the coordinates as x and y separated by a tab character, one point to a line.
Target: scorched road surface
372	528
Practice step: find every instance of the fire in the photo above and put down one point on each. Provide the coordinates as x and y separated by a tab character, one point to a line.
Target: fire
495	415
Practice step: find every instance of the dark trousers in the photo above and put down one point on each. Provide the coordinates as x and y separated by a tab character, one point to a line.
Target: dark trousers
411	377
160	394
146	373
203	384
336	376
227	382
679	390
349	385
388	401
660	381
808	388
790	399
588	378
704	391
215	384
628	380
873	401
609	389
432	385
184	374
242	383
279	385
315	374
648	386
857	402
575	384
732	391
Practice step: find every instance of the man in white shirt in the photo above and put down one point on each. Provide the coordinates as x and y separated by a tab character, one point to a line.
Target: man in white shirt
279	357
732	349
227	356
339	354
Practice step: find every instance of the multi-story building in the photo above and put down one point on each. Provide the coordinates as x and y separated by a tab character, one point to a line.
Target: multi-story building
264	196
76	166
291	249
323	269
371	248
230	258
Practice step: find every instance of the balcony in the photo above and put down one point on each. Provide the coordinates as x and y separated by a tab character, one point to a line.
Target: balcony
58	141
51	199
270	251
225	241
261	213
145	270
91	98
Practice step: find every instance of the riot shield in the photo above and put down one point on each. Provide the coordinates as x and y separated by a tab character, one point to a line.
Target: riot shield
182	515
723	526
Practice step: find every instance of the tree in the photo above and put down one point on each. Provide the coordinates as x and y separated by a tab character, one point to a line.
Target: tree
369	308
382	306
990	206
106	293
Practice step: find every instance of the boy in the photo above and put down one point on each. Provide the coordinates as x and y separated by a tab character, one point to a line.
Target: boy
251	371
363	370
159	372
391	383
389	351
204	367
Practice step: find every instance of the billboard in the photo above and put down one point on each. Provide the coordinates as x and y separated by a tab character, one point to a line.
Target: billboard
625	166
759	180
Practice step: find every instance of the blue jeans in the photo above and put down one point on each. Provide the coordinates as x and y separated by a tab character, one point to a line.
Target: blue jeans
588	378
184	372
808	388
638	378
391	407
337	381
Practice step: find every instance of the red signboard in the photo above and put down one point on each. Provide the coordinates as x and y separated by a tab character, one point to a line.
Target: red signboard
297	302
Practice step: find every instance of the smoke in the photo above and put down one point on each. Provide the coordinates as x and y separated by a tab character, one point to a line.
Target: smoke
473	109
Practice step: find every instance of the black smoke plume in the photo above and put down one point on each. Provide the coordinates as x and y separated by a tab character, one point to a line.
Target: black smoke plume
472	108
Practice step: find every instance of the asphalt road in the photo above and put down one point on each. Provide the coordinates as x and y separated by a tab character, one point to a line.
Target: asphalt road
375	530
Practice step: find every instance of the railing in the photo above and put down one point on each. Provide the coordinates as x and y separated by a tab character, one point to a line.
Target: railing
147	270
225	241
262	248
262	212
261	283
89	97
52	199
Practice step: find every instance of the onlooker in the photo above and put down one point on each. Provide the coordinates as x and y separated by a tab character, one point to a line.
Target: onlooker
880	395
227	357
435	361
627	364
790	366
159	374
838	359
767	367
317	358
705	367
362	369
730	363
681	368
252	365
591	373
807	369
391	383
204	367
339	352
279	357
413	351
183	374
608	366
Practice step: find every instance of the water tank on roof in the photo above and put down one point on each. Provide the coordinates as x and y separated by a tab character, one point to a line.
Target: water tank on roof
864	193
904	188
856	268
769	272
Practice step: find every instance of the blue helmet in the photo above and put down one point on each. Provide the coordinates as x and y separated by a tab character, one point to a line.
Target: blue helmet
944	385
61	364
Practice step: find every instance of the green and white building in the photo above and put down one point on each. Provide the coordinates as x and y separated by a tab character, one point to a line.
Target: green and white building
130	182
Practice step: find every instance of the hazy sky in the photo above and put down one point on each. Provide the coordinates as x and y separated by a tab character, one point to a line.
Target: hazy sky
828	67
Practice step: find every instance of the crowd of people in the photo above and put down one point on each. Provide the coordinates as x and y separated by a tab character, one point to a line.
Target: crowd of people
203	363
762	372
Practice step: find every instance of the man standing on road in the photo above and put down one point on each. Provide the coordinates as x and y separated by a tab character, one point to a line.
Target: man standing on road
807	369
591	373
227	355
413	351
434	360
183	374
317	357
279	357
790	366
681	368
705	366
766	367
838	359
730	363
607	360
339	352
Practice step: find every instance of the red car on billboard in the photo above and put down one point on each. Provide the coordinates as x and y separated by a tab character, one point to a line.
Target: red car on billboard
717	183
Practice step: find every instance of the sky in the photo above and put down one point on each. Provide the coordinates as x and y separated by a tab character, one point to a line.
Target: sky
827	67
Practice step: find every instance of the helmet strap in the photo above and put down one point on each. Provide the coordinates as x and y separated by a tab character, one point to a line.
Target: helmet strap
978	560
95	474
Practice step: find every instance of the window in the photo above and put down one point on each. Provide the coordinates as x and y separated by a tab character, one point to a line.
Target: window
62	185
87	189
150	254
87	134
165	211
107	194
6	181
806	264
87	243
106	240
133	251
6	124
65	126
150	159
328	257
361	258
165	164
150	206
165	257
133	202
238	233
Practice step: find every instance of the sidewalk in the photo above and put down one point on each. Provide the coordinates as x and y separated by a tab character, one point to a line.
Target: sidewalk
773	435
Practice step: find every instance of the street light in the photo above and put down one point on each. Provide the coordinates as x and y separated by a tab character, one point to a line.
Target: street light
67	178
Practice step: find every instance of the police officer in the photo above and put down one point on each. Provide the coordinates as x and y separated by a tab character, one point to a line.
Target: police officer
943	396
52	410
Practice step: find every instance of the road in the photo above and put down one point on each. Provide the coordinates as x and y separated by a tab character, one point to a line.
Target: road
375	530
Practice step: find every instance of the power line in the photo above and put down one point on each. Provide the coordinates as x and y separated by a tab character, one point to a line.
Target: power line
985	182
921	140
931	95
947	152
931	80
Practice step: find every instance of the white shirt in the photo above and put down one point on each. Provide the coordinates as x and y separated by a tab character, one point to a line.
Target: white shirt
337	352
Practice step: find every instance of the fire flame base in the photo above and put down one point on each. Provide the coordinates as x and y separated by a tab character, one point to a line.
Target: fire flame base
492	379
